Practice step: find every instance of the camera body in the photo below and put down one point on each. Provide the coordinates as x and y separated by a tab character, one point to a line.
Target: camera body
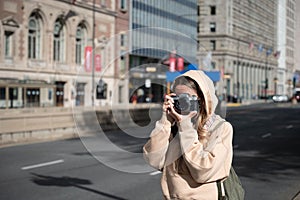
184	103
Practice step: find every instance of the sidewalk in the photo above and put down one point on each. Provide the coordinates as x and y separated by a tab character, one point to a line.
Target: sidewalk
248	102
260	101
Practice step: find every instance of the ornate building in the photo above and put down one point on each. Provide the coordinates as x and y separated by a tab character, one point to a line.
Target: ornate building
47	49
243	39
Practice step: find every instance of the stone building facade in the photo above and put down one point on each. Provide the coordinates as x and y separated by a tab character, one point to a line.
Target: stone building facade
243	40
45	46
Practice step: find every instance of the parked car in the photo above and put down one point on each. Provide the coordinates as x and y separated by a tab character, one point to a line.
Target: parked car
297	96
280	98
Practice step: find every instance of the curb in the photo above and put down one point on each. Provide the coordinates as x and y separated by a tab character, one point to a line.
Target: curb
233	104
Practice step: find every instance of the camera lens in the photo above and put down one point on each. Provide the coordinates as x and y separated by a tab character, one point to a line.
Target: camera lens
184	102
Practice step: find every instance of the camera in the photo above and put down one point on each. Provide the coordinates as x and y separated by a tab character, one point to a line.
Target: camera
184	103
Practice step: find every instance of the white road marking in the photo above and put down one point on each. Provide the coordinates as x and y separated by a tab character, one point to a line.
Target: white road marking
266	135
155	173
42	164
289	126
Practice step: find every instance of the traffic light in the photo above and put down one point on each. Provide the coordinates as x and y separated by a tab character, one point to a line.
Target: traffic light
267	84
101	90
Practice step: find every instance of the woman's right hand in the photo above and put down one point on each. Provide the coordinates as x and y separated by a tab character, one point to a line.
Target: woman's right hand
168	108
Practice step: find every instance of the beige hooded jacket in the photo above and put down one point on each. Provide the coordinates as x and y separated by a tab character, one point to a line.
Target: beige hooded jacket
190	170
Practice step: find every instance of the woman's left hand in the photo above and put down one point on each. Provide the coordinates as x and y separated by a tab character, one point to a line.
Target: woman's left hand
189	116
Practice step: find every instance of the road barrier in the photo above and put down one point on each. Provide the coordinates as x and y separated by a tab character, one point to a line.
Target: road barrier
37	124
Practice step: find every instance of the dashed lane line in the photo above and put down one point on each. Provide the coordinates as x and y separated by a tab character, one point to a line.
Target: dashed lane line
289	126
42	164
266	135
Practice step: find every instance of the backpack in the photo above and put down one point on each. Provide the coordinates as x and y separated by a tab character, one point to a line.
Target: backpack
230	188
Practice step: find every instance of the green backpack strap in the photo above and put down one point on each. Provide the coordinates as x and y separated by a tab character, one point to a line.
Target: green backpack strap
221	190
218	125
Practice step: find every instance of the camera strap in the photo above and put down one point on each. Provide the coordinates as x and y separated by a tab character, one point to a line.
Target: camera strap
217	125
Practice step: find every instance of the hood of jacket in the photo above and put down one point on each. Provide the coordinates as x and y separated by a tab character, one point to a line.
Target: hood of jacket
207	87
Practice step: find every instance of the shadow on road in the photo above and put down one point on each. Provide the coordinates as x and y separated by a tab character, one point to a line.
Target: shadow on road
66	181
268	145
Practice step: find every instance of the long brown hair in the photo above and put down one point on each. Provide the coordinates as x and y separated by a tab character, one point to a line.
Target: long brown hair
200	119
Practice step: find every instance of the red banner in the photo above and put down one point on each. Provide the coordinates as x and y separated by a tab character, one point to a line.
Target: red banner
88	58
180	64
172	61
98	63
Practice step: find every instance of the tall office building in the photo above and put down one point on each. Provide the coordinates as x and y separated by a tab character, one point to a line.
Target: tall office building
158	29
297	36
241	36
286	47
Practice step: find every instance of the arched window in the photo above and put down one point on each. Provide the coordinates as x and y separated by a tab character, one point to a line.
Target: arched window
34	36
80	43
59	41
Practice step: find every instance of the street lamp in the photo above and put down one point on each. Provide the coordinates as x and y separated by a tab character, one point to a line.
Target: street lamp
70	14
93	56
275	85
268	52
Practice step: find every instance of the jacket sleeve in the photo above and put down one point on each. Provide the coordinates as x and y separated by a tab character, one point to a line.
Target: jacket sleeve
212	162
156	148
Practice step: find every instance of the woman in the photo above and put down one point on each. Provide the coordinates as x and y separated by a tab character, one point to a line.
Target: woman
192	150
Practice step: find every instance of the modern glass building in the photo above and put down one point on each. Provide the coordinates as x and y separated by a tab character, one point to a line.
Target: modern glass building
160	29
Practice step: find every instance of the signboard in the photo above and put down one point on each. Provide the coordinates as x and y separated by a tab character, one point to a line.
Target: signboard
88	58
180	64
172	64
98	63
148	83
213	75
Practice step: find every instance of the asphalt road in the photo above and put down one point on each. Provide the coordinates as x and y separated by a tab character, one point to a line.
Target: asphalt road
266	157
267	150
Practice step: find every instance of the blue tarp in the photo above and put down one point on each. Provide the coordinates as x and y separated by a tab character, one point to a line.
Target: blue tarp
213	75
172	75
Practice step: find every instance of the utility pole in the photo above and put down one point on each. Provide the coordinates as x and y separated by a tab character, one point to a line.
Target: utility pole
93	56
238	72
268	52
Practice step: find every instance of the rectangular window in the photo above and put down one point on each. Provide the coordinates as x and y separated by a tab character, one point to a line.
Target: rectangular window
78	53
59	42
122	40
33	97
123	5
123	62
120	94
212	26
13	93
56	49
103	3
80	87
213	10
31	47
213	45
2	93
213	65
8	44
